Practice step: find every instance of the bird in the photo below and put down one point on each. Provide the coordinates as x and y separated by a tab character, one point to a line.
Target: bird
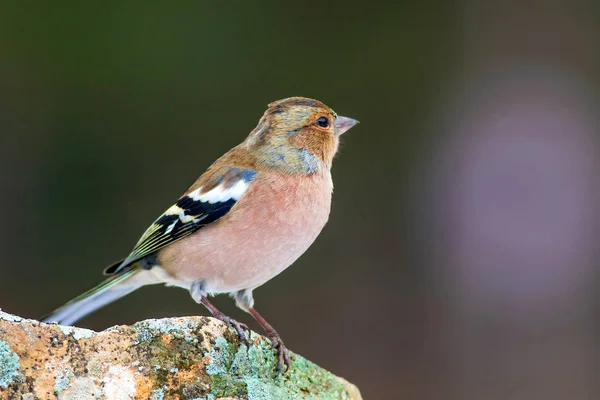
248	217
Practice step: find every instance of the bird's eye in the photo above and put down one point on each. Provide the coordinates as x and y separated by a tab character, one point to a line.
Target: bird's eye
323	122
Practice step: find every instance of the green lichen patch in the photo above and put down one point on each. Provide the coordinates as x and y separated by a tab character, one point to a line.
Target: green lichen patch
170	357
187	329
192	390
63	378
9	365
168	350
169	345
250	372
157	394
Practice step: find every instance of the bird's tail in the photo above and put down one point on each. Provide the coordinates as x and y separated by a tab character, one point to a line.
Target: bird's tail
108	291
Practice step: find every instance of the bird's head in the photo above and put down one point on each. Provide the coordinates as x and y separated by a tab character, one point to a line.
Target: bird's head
298	134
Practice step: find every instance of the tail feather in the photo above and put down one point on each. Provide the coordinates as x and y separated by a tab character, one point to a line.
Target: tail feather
108	291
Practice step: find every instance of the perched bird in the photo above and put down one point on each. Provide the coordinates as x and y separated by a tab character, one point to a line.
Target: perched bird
246	219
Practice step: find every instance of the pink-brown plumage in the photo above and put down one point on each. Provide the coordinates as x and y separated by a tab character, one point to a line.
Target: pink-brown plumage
278	218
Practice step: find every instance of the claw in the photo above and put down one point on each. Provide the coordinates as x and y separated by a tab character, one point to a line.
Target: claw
239	327
283	356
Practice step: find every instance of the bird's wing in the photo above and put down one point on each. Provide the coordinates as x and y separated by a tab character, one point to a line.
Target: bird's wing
211	200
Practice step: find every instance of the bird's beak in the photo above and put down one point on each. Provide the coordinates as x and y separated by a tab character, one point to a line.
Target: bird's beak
342	124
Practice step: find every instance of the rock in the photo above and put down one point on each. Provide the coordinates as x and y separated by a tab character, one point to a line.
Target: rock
177	358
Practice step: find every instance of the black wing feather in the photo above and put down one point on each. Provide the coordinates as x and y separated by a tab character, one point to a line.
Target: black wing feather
190	216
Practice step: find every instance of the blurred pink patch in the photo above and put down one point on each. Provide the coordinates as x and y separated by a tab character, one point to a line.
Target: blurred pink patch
517	208
521	200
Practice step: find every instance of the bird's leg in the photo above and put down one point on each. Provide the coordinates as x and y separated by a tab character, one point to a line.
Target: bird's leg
198	293
277	343
245	301
239	327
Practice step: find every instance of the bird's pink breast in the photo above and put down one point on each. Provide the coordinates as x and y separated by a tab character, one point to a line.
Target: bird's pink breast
273	223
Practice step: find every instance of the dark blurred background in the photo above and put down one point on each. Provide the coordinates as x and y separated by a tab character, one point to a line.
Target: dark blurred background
461	257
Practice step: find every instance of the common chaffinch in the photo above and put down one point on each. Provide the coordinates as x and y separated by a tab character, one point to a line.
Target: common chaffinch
246	219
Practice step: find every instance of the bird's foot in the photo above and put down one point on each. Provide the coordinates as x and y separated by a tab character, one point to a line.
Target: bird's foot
283	356
239	327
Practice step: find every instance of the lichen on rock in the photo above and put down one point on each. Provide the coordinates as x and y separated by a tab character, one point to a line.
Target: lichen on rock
242	371
9	365
177	358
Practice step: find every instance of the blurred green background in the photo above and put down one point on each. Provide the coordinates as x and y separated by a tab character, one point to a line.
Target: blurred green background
108	111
